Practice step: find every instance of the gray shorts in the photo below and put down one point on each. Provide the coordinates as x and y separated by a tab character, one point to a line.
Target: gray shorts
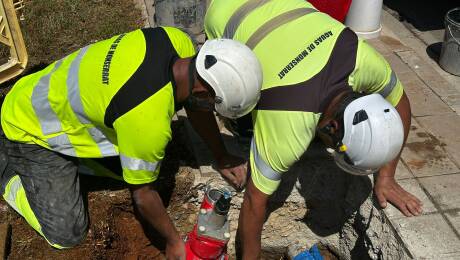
52	188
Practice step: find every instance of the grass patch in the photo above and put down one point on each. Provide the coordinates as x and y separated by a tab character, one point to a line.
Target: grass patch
55	28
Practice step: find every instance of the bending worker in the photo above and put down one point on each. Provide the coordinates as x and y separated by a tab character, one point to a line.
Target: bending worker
115	98
318	79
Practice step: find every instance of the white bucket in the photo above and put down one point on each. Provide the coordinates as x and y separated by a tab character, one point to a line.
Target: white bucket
364	18
450	52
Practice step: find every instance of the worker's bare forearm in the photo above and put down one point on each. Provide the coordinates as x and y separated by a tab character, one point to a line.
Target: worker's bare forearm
151	208
251	220
205	125
404	111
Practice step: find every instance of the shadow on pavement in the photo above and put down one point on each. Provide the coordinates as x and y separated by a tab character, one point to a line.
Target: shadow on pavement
434	51
422	14
331	195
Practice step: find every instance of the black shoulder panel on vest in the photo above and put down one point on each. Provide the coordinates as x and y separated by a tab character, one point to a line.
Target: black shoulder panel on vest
152	75
314	94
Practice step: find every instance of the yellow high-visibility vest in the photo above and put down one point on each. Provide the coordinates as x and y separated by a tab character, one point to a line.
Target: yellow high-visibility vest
295	44
113	97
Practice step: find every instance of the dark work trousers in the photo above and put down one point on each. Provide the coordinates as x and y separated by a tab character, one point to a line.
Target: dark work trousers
52	188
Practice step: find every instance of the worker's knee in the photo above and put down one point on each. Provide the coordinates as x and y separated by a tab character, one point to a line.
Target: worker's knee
66	236
68	242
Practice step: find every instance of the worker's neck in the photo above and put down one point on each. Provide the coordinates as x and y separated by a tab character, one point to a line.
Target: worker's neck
331	108
180	74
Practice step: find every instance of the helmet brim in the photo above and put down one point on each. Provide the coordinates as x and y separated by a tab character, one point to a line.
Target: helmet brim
340	161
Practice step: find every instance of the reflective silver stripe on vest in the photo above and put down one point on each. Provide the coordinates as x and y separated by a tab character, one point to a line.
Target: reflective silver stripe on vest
61	143
276	22
239	15
73	88
49	122
390	86
262	166
15	185
73	92
105	146
137	164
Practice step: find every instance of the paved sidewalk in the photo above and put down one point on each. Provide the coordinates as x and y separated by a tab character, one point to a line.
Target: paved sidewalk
430	162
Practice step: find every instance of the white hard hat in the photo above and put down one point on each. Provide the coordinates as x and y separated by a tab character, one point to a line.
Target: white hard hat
373	135
235	74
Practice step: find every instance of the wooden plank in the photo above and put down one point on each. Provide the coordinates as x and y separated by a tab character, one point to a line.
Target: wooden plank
5	235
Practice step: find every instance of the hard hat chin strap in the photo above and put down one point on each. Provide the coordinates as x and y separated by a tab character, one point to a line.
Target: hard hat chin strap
192	102
336	139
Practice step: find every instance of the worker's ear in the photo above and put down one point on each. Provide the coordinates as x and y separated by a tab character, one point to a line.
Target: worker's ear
334	126
330	128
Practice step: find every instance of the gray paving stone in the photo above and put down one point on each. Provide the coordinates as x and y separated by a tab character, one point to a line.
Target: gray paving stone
150	8
428	237
453	79
427	160
452	100
445	128
380	46
424	154
456	108
444	190
402	172
453	256
454	217
397	64
416	133
393	44
422	99
427	73
408	77
412	186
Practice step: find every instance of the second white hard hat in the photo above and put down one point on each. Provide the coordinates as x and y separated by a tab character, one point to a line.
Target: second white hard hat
235	74
373	135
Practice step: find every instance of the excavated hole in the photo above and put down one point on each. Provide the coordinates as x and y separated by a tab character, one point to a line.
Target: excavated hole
317	203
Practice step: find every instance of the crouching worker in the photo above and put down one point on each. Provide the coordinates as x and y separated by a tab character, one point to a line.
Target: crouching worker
115	98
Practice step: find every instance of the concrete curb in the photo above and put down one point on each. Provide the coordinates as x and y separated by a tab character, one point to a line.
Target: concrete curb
149	10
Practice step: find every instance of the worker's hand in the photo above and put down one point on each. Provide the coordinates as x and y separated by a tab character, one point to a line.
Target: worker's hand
234	170
175	250
387	190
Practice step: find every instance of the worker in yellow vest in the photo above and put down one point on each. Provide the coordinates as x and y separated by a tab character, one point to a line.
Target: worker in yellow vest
318	79
117	98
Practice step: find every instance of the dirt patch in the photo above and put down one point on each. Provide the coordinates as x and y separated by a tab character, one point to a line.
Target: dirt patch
115	233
